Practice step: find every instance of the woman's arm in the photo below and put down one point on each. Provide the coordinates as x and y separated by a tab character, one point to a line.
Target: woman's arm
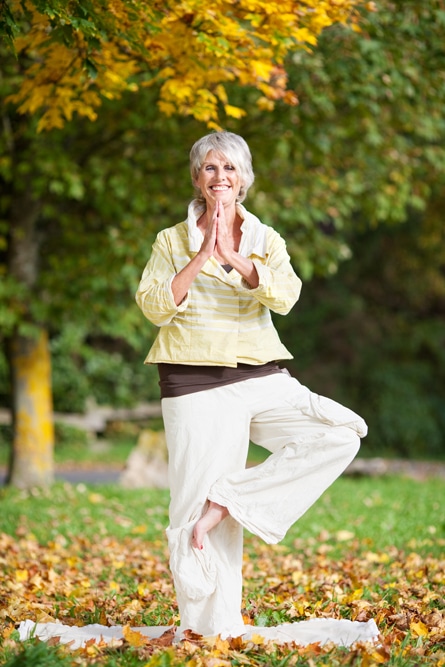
154	295
182	281
278	286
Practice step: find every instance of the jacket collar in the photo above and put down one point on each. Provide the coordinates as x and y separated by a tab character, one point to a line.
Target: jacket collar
254	237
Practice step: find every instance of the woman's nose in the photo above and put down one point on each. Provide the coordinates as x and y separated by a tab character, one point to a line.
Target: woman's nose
220	173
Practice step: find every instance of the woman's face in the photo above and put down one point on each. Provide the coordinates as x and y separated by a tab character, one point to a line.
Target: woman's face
218	180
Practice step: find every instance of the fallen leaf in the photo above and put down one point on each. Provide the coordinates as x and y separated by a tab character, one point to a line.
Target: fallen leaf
133	637
419	629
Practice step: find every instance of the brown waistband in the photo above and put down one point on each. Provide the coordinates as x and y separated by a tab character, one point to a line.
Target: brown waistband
181	379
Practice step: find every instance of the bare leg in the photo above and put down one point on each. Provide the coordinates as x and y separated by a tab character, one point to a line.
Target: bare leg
213	516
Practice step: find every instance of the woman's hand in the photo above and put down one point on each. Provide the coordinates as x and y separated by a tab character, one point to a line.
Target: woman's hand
210	236
217	239
182	281
224	244
225	248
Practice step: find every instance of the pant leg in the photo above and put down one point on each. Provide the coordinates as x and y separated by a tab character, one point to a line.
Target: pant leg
207	435
312	440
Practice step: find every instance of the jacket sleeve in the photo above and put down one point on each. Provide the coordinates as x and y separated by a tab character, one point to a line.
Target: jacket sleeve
154	295
279	287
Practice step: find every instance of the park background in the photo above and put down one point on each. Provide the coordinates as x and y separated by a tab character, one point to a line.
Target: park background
349	169
345	121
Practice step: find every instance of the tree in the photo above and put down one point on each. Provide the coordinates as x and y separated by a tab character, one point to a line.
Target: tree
365	145
71	59
358	170
81	51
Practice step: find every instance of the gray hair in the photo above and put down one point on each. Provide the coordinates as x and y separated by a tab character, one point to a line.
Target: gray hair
235	150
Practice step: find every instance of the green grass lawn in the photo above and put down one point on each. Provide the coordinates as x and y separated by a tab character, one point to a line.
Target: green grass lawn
374	512
387	534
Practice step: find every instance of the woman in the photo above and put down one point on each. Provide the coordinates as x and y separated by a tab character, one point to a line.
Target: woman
210	285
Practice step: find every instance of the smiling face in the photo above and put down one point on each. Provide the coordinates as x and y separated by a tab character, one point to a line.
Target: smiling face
218	180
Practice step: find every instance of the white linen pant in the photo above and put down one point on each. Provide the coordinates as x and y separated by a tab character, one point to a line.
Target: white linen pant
312	439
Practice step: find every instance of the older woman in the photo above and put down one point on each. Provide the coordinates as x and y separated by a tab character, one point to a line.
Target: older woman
209	286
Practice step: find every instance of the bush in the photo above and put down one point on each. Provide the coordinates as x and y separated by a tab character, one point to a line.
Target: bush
107	371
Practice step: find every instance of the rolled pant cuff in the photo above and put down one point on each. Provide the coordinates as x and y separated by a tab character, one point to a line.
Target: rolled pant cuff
225	497
193	570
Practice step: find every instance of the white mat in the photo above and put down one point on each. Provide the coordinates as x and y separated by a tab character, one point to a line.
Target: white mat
322	630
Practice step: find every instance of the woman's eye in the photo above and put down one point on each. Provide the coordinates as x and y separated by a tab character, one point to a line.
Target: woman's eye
211	167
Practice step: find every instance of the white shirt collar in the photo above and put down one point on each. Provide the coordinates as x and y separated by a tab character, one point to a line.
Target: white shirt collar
253	240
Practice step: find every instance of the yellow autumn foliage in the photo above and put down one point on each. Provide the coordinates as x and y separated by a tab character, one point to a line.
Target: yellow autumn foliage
190	48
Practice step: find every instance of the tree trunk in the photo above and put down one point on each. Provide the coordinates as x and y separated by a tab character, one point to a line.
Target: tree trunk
33	444
31	462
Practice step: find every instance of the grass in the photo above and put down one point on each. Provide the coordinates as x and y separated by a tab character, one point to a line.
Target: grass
374	513
378	513
85	510
384	533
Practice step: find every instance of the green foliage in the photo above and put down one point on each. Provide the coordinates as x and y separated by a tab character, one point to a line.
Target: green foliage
8	25
103	196
41	654
356	172
92	19
69	436
366	144
353	177
376	340
406	413
103	368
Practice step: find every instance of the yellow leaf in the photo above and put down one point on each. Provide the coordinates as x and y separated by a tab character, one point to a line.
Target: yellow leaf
7	631
220	92
419	628
355	595
234	112
38	582
378	657
133	638
218	645
344	535
265	104
143	590
21	575
91	649
139	530
262	69
257	639
95	498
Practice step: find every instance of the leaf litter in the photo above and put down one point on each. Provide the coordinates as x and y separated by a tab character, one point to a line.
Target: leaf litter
127	582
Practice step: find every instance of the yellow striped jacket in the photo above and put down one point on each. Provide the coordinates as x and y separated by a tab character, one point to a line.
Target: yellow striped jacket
222	321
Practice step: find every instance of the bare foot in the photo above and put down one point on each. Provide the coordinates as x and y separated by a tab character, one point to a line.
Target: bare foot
213	516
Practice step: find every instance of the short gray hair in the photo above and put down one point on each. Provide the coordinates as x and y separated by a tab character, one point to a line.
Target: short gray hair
235	150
